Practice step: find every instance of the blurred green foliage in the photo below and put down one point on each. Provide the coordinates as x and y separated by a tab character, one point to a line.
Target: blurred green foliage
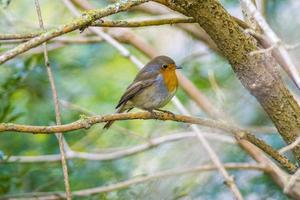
94	76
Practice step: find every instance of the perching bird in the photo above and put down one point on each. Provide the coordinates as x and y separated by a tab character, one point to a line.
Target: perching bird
153	87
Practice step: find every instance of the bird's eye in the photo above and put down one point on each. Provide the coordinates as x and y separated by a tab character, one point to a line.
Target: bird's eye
165	66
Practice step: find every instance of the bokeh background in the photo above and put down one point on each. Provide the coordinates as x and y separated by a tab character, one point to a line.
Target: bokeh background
91	77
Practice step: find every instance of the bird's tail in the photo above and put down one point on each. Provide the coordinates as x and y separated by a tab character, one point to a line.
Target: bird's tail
109	123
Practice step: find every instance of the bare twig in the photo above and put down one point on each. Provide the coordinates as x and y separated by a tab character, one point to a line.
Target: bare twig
262	6
215	86
147	22
62	39
264	51
253	129
291	168
280	53
154	21
137	180
80	23
56	105
151	143
16	36
279	176
87	122
292	46
290	146
291	182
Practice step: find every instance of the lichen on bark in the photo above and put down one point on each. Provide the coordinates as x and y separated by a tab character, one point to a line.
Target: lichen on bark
258	72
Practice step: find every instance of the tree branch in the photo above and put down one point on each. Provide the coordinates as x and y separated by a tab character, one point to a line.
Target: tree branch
87	122
156	21
149	144
290	146
279	51
138	180
282	160
278	175
15	36
59	136
140	23
292	182
257	73
62	39
79	23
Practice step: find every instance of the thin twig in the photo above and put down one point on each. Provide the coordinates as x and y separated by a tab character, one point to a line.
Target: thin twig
291	182
87	122
264	51
80	23
62	39
137	180
15	36
290	146
215	86
280	53
292	46
151	143
56	106
290	167
279	176
110	23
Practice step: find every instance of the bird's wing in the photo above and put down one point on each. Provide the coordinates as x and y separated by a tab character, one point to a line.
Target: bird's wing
145	74
134	89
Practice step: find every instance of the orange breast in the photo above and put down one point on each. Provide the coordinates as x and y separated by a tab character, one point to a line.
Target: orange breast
170	79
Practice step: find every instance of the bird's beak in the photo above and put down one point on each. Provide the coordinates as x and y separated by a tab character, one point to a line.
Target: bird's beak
178	67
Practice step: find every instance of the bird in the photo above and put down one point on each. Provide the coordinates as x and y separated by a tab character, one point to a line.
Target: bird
153	87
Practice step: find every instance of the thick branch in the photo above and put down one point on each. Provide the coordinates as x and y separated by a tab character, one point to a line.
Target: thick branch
257	73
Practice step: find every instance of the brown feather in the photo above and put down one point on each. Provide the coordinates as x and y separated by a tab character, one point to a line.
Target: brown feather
133	90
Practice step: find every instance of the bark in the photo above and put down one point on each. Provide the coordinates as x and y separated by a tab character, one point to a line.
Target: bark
258	73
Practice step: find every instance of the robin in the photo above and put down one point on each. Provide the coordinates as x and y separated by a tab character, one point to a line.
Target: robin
153	87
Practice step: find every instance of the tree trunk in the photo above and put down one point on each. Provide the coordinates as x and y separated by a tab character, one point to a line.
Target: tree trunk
258	72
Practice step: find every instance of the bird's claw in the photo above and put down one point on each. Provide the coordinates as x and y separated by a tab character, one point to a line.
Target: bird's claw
153	114
168	112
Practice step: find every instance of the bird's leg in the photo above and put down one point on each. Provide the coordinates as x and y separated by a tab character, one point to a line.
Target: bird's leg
152	113
166	111
129	109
